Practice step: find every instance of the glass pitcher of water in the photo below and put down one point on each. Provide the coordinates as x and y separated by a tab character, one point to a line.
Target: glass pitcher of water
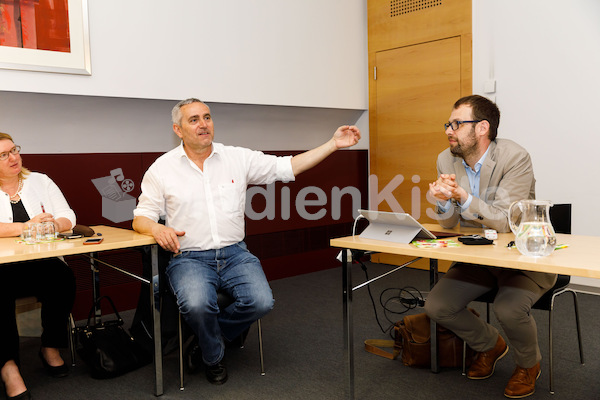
530	222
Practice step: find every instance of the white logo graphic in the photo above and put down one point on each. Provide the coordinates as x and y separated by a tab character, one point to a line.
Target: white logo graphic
117	205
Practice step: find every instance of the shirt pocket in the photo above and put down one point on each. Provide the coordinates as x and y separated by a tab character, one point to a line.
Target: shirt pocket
232	198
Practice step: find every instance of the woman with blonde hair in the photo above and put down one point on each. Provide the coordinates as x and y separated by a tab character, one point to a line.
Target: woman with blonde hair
29	197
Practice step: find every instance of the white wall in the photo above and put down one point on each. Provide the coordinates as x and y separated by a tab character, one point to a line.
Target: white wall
51	123
278	75
545	58
309	53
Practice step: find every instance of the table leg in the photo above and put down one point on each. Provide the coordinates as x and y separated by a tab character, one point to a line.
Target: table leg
348	326
95	287
433	278
155	306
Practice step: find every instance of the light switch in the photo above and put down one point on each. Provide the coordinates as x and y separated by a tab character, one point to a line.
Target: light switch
489	86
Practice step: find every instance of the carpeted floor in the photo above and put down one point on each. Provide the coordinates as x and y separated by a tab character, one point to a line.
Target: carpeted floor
304	354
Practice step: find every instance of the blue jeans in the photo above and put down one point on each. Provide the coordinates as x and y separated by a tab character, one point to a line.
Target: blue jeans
196	276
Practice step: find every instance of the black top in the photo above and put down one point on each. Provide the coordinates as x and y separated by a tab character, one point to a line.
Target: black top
19	213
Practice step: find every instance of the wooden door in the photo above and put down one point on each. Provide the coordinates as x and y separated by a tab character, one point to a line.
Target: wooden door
416	87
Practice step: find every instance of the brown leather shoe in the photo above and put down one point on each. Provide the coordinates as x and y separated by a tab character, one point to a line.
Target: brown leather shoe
485	362
522	382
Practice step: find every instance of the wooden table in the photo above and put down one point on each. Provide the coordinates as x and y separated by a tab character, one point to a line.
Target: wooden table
580	258
114	239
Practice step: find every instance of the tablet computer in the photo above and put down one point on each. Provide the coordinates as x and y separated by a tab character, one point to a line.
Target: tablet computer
393	227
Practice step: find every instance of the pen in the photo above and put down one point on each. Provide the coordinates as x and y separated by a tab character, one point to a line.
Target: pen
561	246
42	204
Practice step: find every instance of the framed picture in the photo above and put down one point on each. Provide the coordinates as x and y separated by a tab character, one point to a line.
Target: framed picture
45	35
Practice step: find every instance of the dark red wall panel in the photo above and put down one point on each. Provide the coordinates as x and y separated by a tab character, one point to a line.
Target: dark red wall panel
286	247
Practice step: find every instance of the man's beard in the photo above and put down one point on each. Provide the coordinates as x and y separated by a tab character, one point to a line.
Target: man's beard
466	149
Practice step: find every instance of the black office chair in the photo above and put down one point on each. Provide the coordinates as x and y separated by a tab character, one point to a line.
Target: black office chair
223	300
560	216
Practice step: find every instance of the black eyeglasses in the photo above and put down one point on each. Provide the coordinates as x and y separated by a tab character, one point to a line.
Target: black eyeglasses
456	124
14	150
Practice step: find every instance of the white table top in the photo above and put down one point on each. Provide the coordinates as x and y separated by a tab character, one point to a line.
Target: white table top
580	258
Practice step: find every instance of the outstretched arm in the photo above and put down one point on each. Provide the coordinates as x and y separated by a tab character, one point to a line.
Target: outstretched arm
344	136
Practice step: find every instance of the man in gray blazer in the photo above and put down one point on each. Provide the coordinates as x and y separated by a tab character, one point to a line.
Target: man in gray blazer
479	177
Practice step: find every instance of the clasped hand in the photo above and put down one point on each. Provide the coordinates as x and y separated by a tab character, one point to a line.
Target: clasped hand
43	217
446	188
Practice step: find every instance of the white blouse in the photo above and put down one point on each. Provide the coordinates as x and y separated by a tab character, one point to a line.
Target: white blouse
38	190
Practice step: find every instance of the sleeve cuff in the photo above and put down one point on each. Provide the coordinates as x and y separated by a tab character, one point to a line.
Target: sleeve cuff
466	204
444	207
285	173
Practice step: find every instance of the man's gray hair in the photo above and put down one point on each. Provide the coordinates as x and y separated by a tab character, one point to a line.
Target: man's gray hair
176	112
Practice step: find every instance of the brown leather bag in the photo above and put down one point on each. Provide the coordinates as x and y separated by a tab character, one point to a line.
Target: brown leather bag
412	339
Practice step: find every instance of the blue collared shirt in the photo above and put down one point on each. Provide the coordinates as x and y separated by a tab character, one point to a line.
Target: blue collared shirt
474	176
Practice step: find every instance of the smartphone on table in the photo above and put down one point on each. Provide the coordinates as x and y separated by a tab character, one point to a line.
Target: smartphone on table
97	240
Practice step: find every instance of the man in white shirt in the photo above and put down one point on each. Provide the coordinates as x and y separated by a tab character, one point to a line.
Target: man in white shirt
200	190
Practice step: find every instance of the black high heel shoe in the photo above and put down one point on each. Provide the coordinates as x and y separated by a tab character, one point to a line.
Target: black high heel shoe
56	372
23	396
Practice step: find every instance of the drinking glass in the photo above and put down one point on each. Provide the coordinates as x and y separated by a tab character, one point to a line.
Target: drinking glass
49	231
28	234
37	231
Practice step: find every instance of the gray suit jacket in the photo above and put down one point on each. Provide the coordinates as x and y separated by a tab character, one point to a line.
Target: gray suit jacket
506	176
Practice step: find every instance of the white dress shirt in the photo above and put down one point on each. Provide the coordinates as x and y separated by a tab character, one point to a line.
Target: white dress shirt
38	189
207	204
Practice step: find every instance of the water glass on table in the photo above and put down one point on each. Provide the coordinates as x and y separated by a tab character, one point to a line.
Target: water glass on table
37	232
28	234
49	230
